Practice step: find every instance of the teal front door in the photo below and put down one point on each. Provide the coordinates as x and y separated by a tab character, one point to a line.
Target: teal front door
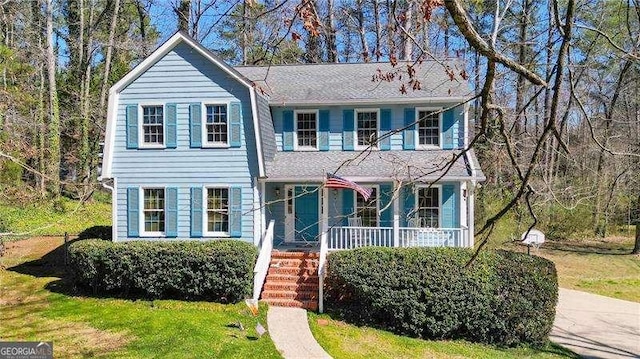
302	213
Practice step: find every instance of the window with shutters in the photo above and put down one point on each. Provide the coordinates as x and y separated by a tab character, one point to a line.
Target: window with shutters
428	206
368	210
216	125
153	211
428	127
217	211
306	130
367	126
152	131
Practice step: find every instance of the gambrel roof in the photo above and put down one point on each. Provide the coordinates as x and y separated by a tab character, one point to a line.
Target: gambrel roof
353	83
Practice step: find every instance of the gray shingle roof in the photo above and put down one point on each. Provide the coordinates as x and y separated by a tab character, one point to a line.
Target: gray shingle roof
401	165
352	82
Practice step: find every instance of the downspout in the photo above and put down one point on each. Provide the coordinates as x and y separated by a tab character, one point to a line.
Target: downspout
114	205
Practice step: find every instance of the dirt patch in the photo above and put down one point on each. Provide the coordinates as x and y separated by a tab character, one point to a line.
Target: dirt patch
34	247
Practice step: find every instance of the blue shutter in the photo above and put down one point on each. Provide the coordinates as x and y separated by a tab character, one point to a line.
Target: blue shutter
449	204
386	208
195	125
235	118
323	133
449	137
408	204
287	130
347	130
171	212
347	205
132	126
235	211
133	212
409	133
385	127
196	212
170	120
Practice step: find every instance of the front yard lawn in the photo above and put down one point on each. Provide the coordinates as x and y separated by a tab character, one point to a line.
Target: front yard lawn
36	305
342	340
602	267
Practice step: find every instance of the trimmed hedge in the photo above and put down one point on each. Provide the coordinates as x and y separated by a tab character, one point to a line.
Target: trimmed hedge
220	271
502	298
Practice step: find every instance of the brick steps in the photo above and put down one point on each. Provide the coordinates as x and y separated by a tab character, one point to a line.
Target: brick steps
292	303
292	280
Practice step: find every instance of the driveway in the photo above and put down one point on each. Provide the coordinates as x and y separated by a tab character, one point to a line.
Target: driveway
597	327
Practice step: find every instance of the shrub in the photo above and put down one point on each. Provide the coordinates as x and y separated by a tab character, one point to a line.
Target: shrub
220	271
502	298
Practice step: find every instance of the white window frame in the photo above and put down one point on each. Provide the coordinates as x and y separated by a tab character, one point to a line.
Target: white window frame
417	135
417	200
355	128
203	111
141	143
143	232
297	147
355	202
205	211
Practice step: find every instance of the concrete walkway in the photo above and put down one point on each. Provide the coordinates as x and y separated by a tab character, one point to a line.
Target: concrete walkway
597	327
289	330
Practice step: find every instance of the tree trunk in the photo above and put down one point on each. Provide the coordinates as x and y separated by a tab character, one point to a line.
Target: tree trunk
362	31
53	160
183	12
332	46
521	82
407	42
378	26
636	246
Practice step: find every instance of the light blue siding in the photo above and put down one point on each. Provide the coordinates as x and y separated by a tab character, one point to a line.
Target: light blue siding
184	77
397	122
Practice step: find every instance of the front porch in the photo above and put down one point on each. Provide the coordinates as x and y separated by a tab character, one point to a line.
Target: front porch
354	237
304	214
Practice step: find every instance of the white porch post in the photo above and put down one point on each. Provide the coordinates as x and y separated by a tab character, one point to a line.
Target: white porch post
323	246
263	207
324	234
470	203
396	215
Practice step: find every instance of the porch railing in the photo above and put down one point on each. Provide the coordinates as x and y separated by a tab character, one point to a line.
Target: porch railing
433	237
263	261
355	237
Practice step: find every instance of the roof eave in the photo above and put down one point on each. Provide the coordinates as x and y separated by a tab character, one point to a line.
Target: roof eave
360	102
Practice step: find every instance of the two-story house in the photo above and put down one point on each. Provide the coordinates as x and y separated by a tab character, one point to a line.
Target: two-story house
197	149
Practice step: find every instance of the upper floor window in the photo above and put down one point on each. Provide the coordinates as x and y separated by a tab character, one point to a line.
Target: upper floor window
216	126
428	128
153	211
428	206
307	130
217	220
368	210
153	125
367	128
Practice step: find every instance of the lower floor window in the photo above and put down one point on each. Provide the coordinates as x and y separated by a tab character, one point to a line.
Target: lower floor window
154	210
428	209
218	210
368	210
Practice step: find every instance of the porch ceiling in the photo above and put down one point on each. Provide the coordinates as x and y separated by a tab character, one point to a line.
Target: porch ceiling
401	165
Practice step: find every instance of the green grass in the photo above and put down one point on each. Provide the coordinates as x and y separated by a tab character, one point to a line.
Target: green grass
342	340
43	218
37	307
599	267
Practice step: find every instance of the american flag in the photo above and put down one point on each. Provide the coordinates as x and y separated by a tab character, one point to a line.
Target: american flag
334	181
